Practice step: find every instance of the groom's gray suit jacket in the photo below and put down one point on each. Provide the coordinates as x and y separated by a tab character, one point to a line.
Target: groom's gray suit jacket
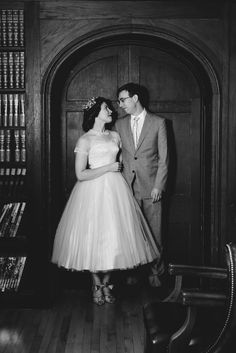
149	161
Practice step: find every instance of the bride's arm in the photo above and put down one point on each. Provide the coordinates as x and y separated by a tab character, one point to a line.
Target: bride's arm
81	161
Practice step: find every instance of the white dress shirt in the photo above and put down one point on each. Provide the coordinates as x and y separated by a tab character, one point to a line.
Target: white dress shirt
137	125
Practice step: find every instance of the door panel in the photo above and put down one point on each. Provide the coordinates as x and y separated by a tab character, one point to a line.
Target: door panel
174	94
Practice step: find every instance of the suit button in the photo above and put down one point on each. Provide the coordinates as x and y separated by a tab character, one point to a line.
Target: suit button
133	171
135	157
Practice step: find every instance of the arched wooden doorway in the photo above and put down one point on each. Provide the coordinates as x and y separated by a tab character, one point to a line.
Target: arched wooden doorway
179	90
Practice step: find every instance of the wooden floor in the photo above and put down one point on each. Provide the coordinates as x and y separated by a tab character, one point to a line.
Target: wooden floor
75	325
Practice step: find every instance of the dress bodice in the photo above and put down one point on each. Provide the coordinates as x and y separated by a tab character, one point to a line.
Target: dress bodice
103	150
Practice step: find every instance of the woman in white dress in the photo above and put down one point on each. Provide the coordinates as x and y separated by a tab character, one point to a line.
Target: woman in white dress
102	227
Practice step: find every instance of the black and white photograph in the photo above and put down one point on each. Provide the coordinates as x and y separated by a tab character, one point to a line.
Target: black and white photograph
117	176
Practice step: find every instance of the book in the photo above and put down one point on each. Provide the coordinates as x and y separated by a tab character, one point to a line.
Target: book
10	70
5	110
1	71
8	141
3	212
1	121
16	65
5	69
22	69
15	211
21	28
5	221
19	271
9	220
2	146
10	114
22	110
4	27
23	146
15	28
18	219
16	109
11	270
9	28
17	145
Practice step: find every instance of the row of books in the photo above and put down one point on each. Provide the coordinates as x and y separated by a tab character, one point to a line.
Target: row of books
12	69
11	270
12	28
13	146
12	110
10	218
12	182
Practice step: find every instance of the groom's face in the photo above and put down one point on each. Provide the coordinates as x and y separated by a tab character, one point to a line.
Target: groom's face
126	102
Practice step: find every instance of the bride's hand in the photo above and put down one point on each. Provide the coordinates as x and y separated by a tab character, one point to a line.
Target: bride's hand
116	167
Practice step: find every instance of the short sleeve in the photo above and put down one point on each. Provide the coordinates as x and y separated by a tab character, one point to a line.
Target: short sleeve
81	147
117	138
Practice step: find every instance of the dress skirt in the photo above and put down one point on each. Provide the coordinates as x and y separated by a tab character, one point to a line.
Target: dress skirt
102	228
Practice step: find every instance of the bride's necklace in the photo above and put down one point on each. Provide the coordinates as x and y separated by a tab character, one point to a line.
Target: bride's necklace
99	133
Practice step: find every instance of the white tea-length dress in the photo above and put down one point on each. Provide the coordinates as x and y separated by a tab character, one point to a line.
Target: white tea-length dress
102	227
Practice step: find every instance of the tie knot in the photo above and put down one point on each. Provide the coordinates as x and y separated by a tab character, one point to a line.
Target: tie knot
136	118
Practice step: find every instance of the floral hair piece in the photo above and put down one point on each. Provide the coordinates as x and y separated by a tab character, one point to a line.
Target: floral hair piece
89	103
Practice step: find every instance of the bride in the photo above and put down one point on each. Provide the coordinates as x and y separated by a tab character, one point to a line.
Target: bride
102	227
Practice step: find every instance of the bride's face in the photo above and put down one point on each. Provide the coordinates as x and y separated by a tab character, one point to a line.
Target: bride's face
105	113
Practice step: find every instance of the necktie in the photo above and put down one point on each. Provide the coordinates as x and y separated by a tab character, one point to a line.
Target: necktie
135	130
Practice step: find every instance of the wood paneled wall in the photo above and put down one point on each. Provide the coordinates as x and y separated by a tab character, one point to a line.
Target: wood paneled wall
211	29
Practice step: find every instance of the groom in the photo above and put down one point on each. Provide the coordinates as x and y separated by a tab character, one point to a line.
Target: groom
145	161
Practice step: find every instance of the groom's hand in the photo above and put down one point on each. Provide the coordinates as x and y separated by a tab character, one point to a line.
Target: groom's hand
156	195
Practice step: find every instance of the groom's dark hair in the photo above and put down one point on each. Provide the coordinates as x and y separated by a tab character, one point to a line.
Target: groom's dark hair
134	88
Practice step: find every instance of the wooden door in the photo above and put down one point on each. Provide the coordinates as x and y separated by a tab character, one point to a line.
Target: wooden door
175	95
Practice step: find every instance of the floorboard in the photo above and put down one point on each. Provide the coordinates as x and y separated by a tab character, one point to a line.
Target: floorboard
75	325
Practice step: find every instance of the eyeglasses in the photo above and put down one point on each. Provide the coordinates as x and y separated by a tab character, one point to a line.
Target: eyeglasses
121	100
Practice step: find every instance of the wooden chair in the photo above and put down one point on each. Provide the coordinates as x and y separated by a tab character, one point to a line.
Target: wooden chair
195	320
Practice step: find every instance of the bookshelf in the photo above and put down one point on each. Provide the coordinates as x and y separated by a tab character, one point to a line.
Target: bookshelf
13	156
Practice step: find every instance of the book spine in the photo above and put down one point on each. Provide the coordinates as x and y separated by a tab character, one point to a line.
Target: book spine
8	142
10	115
11	69
0	28
10	28
1	119
17	145
5	69
1	71
22	110
21	28
9	221
22	69
16	108
5	110
16	61
4	209
19	218
22	265
14	219
15	28
4	27
6	220
23	146
2	146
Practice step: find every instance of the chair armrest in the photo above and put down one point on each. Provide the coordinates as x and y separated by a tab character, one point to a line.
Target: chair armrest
203	298
198	271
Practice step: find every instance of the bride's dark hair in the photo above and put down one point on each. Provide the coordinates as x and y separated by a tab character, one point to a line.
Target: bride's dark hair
92	110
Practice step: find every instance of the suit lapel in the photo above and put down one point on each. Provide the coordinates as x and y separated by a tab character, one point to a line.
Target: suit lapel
146	127
129	135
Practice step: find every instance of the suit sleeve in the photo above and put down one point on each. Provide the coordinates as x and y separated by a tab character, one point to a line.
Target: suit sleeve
163	159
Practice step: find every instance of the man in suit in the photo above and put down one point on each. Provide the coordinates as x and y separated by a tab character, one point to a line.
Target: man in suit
145	162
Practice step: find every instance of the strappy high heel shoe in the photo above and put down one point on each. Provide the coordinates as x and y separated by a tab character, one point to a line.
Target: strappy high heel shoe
98	297
107	291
